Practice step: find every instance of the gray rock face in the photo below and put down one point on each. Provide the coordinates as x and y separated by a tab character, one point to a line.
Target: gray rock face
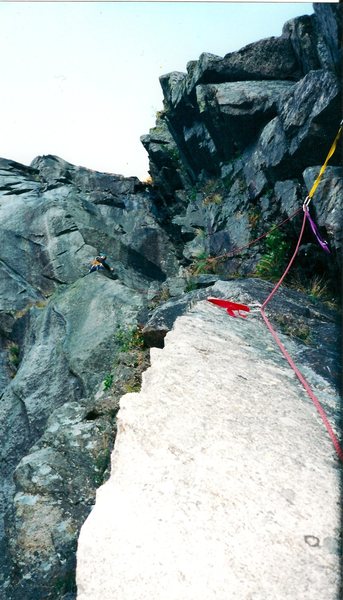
58	343
55	487
271	58
306	113
307	43
235	112
302	35
329	23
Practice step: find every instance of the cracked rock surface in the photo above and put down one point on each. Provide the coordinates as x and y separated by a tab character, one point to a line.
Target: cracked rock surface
57	345
224	482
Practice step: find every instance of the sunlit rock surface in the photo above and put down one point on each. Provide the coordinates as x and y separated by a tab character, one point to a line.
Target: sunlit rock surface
224	481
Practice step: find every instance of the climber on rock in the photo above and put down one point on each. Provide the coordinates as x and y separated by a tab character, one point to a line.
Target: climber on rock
99	264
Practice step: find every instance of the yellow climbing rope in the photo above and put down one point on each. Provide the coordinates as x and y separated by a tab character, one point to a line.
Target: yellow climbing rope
322	170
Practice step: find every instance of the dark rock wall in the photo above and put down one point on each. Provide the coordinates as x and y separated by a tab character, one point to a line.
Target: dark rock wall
248	126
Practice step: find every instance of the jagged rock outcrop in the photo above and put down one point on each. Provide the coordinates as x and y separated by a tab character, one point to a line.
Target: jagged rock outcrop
224	482
235	150
238	133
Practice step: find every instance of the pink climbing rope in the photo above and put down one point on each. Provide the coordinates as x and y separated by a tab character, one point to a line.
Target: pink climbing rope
289	359
234	253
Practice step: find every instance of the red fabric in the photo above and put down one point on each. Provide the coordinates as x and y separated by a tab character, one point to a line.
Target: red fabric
230	306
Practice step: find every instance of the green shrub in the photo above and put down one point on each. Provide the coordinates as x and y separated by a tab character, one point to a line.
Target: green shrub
129	339
204	265
317	288
108	381
272	264
14	352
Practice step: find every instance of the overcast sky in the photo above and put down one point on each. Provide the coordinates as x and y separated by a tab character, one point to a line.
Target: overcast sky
80	79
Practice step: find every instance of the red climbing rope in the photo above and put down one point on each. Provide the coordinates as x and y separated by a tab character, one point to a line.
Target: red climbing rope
290	360
260	237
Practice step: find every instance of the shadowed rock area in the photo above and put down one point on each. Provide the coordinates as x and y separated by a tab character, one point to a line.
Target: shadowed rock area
235	150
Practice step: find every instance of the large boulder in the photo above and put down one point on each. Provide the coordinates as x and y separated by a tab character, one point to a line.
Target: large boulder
235	112
221	451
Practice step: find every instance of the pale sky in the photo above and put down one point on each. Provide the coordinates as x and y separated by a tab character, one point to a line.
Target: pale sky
81	79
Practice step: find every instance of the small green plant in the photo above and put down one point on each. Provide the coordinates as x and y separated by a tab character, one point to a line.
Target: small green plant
204	265
303	332
317	288
173	153
200	265
228	182
164	295
294	329
192	195
108	381
272	263
213	199
191	285
130	387
209	192
14	355
129	339
254	218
